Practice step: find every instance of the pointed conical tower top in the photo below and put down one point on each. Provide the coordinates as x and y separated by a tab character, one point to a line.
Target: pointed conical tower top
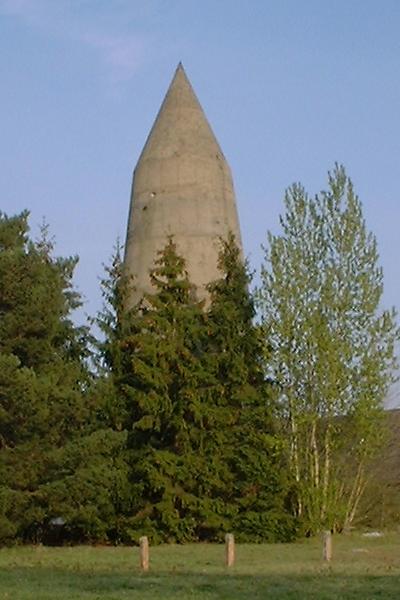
181	125
182	186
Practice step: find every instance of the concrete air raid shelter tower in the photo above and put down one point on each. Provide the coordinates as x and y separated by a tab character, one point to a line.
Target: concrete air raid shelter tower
182	186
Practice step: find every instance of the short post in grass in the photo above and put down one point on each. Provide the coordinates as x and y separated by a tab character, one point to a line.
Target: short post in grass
229	550
327	546
144	553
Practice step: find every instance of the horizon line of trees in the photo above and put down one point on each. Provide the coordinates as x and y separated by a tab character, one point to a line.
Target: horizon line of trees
187	420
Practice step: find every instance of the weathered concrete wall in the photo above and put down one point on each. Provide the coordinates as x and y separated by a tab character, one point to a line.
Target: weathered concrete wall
182	186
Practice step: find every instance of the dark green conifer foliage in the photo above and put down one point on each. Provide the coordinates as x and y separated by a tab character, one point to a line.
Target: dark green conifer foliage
106	474
114	322
204	458
45	410
244	433
163	394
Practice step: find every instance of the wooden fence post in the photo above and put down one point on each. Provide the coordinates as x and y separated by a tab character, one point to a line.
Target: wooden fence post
327	546
229	550
144	553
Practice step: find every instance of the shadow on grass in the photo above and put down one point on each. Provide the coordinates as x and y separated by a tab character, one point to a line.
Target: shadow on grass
56	584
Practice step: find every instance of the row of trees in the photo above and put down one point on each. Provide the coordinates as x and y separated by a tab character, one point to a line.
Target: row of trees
185	421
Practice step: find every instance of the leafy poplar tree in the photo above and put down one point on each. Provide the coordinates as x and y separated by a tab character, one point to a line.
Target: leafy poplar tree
332	346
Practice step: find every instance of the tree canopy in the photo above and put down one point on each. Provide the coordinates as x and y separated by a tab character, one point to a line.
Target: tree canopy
43	371
203	454
332	346
187	419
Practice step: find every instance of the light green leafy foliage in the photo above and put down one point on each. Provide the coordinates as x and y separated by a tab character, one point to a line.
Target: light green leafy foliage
332	347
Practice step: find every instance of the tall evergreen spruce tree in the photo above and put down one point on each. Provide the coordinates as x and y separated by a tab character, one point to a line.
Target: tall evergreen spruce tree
163	393
243	398
203	455
90	484
114	322
43	375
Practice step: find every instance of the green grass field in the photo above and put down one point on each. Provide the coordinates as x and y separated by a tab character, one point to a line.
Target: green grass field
361	568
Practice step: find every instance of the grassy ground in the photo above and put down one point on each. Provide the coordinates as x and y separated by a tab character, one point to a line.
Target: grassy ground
361	568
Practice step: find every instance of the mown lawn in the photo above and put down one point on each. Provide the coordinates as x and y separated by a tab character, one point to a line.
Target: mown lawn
361	568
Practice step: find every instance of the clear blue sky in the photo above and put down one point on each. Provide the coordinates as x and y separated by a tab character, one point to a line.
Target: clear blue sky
289	87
